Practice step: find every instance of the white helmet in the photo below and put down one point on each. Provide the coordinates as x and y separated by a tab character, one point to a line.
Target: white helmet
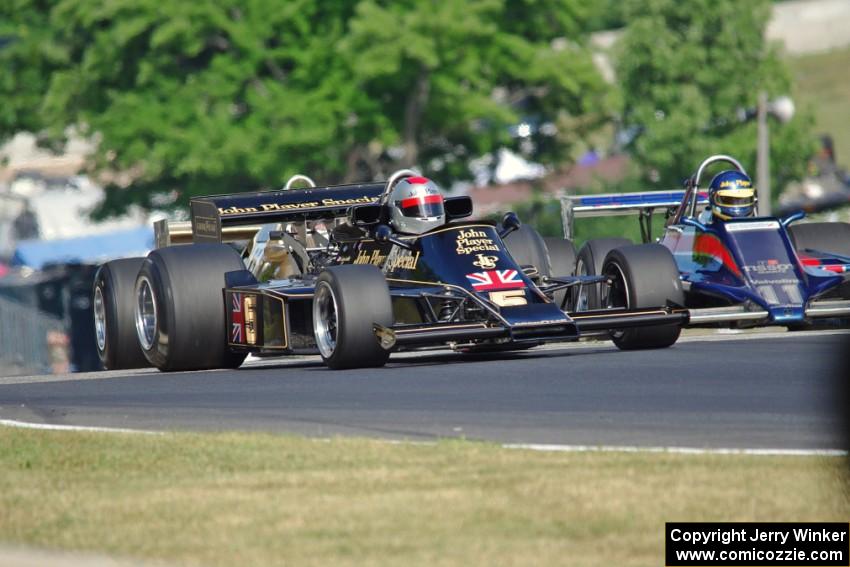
416	205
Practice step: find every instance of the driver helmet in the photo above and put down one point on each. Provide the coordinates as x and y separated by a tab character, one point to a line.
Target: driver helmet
731	195
416	206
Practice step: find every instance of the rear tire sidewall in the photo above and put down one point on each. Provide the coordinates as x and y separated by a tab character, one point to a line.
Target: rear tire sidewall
562	262
187	283
825	237
649	276
589	262
362	298
527	248
114	282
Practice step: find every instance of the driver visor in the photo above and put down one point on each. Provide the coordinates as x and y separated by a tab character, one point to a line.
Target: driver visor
727	201
423	206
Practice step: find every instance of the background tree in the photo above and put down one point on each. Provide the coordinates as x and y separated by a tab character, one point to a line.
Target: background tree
188	98
28	57
686	69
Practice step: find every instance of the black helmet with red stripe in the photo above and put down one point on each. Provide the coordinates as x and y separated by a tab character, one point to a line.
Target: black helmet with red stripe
416	205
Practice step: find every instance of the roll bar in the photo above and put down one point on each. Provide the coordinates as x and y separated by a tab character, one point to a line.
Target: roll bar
395	178
693	182
298	177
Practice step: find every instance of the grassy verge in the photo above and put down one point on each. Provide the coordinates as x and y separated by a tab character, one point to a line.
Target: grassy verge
234	499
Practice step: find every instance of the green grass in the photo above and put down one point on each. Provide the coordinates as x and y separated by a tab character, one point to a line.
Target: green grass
822	83
239	499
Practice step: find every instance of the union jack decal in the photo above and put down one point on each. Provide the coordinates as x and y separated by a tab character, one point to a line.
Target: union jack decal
495	279
237	319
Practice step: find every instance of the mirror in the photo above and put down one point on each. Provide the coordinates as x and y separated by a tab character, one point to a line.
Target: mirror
457	207
383	233
510	222
794	217
688	221
365	215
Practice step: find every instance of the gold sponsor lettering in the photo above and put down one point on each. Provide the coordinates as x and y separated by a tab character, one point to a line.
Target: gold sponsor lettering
373	257
736	183
472	241
485	262
508	298
236	210
539	323
400	260
205	225
289	206
306	205
250	319
356	201
403	261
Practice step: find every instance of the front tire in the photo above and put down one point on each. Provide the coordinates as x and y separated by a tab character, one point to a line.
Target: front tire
644	275
179	308
347	303
114	326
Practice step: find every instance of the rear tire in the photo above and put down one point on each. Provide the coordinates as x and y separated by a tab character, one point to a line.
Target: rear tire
179	307
562	262
114	323
527	248
589	263
824	237
348	301
645	275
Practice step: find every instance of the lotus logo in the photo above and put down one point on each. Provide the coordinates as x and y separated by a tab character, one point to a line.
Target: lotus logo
485	262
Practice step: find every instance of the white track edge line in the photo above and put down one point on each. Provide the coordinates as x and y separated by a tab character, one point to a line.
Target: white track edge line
56	427
676	450
542	447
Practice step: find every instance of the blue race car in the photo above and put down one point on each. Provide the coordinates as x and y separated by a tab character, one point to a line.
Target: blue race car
736	267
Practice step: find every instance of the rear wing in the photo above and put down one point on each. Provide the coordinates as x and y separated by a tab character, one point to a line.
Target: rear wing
168	232
223	218
641	203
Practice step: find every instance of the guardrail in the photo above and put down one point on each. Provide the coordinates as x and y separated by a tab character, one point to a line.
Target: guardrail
31	342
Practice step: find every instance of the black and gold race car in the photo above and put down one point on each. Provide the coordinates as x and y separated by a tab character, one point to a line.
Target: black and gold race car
322	270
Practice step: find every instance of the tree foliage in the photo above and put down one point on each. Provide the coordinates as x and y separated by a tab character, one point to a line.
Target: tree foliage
686	70
189	98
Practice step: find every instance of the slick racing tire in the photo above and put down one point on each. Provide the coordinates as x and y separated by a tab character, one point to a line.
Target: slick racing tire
347	303
562	262
644	275
527	248
114	323
825	237
589	263
179	307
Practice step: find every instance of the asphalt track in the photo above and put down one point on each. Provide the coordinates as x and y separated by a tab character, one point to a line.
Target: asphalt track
778	390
